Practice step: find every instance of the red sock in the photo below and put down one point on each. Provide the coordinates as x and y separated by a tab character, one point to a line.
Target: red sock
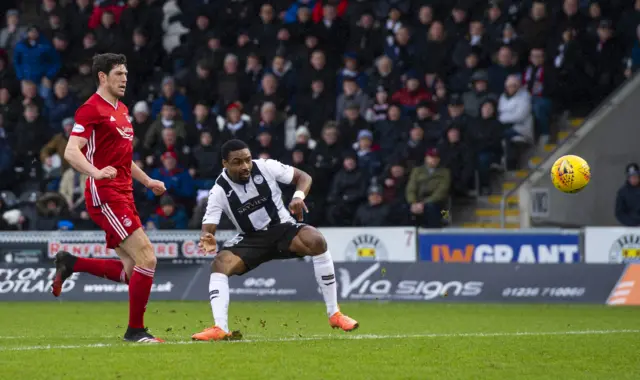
109	269
139	290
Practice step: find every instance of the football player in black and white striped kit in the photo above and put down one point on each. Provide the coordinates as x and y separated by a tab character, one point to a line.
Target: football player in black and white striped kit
247	191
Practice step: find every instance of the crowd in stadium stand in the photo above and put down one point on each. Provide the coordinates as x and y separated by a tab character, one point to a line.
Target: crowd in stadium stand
392	106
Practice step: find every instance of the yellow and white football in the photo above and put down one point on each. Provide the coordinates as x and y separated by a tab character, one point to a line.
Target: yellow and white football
570	174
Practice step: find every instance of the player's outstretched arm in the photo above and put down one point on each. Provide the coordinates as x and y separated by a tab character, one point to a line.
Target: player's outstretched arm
208	238
75	158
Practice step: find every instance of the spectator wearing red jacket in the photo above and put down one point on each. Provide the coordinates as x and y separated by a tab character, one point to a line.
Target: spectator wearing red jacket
411	94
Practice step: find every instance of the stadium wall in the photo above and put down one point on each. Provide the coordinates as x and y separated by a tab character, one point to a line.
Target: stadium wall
608	141
593	265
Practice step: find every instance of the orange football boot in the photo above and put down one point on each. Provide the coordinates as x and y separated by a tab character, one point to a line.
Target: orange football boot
215	333
341	321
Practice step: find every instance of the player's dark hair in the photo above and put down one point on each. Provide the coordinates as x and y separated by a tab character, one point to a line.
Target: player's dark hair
105	63
232	146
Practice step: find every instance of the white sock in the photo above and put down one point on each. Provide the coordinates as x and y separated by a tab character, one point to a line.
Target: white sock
326	277
219	297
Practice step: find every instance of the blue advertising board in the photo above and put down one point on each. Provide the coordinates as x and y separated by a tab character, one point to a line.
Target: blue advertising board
500	247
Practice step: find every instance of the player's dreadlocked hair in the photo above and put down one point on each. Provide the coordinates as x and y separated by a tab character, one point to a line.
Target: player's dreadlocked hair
232	146
105	63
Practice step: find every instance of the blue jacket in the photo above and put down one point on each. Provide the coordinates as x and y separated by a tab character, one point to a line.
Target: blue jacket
6	156
179	182
181	103
178	220
59	109
291	16
34	62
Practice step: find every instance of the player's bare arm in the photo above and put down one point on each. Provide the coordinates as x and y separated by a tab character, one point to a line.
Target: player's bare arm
208	238
73	155
139	175
302	181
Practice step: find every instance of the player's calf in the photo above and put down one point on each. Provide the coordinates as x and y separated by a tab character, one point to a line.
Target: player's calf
67	264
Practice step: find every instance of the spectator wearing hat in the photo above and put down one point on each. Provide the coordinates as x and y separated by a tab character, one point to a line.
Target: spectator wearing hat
351	124
428	191
235	126
628	198
375	212
514	110
351	69
303	138
485	133
169	93
35	59
60	103
168	118
458	156
11	34
179	183
168	216
391	132
141	120
82	83
52	154
368	159
412	93
455	112
312	108
477	94
348	189
351	94
540	80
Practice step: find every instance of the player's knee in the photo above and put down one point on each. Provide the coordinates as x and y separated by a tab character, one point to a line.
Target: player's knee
224	263
147	258
315	242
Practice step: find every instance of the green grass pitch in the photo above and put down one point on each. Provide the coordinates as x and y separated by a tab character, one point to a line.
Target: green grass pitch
69	340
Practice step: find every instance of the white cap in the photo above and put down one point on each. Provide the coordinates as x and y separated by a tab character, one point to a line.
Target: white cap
141	106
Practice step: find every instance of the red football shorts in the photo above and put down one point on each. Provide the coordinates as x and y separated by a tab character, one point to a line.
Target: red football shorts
117	219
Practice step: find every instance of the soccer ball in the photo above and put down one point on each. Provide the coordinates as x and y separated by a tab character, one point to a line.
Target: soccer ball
570	174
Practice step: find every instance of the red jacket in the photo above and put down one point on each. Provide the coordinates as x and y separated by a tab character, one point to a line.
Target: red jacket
318	13
411	99
94	20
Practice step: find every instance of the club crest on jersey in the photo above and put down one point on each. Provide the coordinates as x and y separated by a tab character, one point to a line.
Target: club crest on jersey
258	179
127	222
126	133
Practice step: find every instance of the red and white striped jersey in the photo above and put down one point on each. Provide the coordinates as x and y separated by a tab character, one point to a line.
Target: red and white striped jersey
109	135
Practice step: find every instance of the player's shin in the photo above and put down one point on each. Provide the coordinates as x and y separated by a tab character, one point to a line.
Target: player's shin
109	269
326	277
219	297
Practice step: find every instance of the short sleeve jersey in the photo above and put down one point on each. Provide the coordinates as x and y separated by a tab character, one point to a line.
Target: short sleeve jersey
109	135
272	172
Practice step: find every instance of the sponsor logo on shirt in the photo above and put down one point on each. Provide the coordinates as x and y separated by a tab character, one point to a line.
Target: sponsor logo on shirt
77	128
112	118
126	133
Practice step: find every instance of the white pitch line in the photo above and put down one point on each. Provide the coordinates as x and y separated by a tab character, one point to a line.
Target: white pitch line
334	337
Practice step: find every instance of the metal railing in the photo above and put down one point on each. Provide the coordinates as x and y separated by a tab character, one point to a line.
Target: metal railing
570	138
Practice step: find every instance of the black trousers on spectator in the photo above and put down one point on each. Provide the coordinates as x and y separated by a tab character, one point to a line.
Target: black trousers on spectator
431	217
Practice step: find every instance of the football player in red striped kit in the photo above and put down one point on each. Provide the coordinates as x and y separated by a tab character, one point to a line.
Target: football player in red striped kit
101	146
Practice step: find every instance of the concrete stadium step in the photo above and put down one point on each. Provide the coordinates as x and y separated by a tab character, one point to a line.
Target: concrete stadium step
495	212
497	199
490	225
